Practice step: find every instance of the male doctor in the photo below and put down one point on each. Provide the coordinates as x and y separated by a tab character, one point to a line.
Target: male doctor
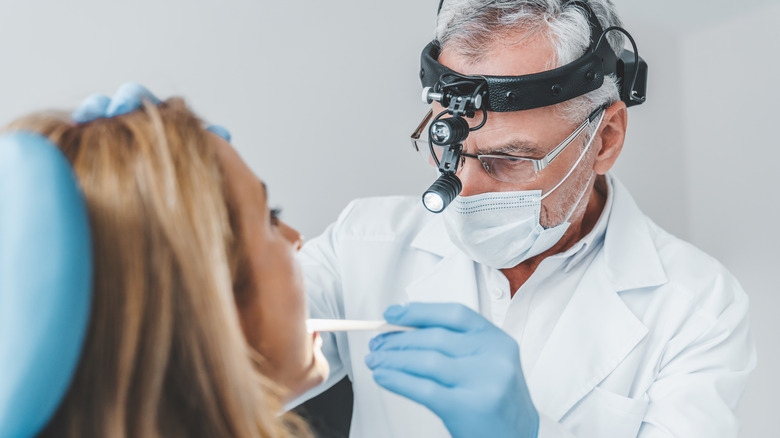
546	303
610	327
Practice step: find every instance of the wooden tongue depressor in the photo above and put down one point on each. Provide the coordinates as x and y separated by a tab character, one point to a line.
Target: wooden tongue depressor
346	325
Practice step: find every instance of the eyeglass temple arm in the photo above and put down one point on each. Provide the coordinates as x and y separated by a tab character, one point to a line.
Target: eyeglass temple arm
544	162
417	135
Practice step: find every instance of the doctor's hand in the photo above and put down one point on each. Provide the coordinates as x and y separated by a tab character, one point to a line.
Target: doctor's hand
128	98
459	365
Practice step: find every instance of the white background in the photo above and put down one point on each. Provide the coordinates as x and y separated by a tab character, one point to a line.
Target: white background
320	97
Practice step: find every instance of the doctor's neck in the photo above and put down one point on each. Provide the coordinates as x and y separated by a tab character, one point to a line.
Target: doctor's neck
581	225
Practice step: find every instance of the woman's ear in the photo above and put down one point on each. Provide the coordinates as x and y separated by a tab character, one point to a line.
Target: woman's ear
612	133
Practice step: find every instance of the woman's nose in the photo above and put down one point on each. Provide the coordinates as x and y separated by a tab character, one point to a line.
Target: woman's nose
292	235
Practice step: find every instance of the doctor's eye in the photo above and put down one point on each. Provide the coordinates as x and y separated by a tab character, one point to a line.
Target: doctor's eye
275	214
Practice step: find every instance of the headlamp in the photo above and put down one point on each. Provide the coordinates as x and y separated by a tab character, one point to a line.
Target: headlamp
449	131
442	192
464	95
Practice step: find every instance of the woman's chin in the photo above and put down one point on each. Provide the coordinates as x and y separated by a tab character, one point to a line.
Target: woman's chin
314	374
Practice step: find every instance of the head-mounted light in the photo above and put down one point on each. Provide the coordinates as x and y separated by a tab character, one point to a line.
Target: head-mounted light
464	95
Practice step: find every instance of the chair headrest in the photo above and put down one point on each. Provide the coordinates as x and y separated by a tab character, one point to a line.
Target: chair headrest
45	281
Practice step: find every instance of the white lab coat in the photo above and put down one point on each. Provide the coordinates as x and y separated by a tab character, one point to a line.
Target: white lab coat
654	342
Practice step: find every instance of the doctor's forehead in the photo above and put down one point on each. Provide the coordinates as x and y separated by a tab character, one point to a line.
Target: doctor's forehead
515	146
530	133
503	140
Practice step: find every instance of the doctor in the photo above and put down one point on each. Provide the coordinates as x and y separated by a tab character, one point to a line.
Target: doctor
621	329
547	303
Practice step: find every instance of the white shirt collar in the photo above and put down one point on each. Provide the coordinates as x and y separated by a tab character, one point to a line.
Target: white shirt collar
594	238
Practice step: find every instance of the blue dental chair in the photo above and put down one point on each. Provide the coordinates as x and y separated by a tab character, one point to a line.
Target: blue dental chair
45	281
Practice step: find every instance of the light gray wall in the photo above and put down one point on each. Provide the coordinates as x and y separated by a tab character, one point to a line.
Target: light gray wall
321	97
652	164
732	156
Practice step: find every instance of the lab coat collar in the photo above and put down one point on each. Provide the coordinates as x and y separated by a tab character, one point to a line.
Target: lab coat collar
632	259
453	278
433	237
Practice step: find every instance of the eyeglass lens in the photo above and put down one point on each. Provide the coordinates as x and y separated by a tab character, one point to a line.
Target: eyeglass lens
507	169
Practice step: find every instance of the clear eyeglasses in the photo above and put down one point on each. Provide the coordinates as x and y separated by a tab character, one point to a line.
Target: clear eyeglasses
506	168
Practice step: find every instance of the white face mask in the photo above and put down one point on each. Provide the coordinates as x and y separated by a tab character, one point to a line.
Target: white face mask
502	229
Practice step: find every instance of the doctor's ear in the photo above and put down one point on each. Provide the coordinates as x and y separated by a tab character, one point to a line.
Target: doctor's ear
612	133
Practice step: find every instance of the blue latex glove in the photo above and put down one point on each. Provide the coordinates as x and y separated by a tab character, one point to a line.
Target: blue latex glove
45	281
128	98
463	368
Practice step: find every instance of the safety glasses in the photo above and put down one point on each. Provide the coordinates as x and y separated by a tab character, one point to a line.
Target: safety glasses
504	167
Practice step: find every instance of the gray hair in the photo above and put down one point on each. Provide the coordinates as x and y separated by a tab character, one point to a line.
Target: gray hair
470	26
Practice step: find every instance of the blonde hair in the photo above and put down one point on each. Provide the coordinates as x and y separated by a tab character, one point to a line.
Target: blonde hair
165	355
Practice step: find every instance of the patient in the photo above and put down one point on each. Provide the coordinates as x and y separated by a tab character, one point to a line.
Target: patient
187	257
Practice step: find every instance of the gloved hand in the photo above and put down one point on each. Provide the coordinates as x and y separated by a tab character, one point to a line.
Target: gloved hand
463	368
128	98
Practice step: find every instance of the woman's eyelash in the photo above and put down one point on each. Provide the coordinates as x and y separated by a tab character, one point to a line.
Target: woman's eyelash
275	213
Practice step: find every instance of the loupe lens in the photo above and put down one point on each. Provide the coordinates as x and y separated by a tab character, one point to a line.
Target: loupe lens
450	131
440	132
424	152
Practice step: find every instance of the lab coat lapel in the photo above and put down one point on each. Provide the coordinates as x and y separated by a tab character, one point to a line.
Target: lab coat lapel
451	278
597	331
594	334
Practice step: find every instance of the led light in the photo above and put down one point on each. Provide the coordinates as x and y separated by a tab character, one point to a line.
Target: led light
433	202
450	131
441	132
442	192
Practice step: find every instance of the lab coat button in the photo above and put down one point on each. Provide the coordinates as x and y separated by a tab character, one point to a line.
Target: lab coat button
498	293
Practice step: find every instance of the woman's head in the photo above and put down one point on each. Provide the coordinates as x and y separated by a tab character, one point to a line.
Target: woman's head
268	284
172	235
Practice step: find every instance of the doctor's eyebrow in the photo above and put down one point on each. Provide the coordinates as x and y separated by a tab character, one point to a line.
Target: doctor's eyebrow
515	147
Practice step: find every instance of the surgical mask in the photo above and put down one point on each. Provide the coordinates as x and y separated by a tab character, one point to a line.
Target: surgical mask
502	229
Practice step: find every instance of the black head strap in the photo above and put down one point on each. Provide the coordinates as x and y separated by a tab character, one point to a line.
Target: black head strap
516	93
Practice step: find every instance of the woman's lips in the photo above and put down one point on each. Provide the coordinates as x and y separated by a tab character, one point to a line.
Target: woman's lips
317	341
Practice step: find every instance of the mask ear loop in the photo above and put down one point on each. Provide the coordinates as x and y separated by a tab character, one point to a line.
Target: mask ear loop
582	155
